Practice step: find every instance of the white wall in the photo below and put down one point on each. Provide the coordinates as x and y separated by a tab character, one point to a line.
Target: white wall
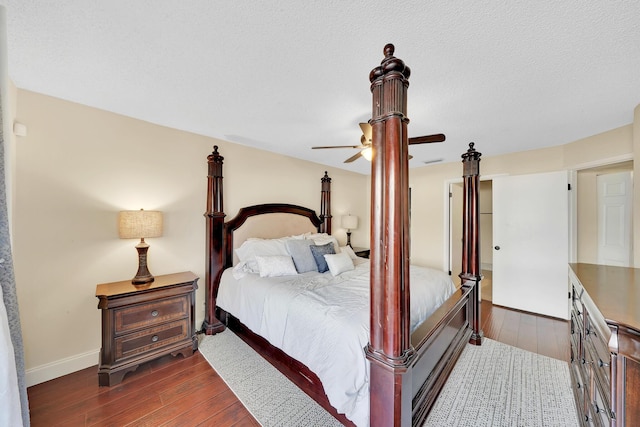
78	166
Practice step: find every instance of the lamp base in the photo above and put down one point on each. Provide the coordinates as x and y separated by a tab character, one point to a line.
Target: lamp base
349	239
141	280
143	275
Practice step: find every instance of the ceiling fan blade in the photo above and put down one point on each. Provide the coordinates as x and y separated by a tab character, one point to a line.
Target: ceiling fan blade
438	137
336	146
366	132
354	157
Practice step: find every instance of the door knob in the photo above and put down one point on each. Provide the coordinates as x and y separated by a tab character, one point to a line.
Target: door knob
497	248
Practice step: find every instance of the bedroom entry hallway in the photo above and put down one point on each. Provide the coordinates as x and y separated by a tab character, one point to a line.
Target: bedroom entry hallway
188	392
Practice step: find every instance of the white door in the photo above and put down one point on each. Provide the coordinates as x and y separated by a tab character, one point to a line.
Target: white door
531	243
614	218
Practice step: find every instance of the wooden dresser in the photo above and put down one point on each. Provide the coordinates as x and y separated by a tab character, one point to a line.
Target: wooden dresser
141	323
605	343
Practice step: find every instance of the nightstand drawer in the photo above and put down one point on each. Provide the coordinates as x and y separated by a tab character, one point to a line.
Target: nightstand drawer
149	339
153	313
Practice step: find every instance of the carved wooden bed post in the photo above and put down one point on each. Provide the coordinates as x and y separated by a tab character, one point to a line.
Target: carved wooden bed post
471	274
215	253
389	349
325	204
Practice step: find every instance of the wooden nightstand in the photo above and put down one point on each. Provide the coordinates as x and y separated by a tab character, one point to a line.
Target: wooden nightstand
141	323
362	252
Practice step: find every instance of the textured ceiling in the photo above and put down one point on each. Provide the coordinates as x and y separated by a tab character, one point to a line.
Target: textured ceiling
287	75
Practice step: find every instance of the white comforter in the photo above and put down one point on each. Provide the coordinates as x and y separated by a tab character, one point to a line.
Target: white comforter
323	321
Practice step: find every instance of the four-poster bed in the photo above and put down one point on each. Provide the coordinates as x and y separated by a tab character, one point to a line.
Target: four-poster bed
407	363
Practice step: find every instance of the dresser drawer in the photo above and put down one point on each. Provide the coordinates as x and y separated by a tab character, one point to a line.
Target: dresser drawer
149	314
151	338
576	292
579	389
599	356
575	330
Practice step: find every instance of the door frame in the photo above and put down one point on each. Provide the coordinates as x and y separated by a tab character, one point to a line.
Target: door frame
573	200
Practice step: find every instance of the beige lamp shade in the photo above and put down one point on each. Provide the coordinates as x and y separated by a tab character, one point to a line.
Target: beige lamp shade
139	224
350	222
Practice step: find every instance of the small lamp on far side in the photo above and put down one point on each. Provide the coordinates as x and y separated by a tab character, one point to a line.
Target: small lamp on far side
138	225
350	222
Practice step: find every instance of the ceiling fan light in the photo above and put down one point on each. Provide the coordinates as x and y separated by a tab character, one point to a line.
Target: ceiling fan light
367	153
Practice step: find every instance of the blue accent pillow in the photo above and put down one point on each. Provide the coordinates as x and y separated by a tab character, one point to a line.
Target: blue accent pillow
301	254
319	251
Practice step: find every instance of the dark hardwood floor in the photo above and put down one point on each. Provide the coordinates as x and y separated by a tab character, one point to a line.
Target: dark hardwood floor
538	334
187	392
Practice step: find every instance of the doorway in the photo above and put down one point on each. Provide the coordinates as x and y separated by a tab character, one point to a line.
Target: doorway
486	234
604	230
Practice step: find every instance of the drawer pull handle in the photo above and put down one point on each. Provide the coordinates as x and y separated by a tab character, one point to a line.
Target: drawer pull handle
154	313
154	338
602	364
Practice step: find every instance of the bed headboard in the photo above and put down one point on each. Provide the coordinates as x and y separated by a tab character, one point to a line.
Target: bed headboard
267	221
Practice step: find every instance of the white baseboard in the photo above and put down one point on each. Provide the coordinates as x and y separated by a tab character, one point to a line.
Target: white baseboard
62	367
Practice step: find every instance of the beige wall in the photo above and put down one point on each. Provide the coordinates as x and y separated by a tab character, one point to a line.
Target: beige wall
78	166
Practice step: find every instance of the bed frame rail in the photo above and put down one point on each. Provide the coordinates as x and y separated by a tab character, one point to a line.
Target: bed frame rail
438	343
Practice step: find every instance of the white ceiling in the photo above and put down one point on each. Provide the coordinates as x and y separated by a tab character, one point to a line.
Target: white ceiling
286	75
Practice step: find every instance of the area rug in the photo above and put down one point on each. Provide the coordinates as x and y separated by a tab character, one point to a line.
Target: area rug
513	387
272	399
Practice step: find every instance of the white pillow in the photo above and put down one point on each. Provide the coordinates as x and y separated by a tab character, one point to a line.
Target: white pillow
253	247
339	263
241	270
349	250
276	265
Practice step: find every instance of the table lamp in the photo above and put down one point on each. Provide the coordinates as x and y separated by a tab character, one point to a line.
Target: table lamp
138	225
350	222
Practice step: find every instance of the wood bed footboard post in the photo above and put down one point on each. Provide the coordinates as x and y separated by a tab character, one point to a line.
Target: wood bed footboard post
325	204
389	349
471	275
215	241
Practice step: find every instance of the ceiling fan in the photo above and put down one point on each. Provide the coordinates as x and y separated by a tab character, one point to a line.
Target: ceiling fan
365	143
